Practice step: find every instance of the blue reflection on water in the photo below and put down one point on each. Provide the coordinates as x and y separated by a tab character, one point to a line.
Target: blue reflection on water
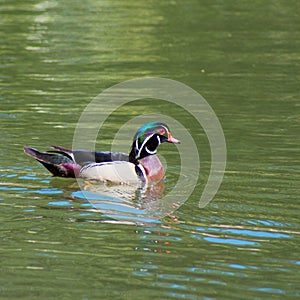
60	203
94	196
246	232
46	191
240	232
115	208
230	241
268	290
86	204
7	188
256	233
267	223
46	255
28	210
238	266
43	191
34	177
7	175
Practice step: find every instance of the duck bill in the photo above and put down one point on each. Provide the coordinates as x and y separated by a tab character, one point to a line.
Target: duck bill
172	140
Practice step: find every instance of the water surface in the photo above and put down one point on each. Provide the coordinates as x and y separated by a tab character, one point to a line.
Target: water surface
243	58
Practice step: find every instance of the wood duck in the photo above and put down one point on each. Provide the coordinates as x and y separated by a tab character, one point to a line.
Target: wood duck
140	165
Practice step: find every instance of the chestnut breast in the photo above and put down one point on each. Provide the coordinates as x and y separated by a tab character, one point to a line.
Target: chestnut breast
153	168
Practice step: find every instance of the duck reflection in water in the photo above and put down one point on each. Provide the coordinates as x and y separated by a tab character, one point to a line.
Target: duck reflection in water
139	174
124	200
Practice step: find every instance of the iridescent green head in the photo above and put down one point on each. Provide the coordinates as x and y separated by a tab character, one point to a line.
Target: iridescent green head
148	138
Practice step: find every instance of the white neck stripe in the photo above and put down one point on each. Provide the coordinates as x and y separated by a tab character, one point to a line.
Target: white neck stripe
158	138
136	144
149	151
142	146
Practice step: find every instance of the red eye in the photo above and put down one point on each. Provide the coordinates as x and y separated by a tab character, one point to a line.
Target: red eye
161	131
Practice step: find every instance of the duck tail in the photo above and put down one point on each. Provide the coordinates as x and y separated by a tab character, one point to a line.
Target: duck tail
59	163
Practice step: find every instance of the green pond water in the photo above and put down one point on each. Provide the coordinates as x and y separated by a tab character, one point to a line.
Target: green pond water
243	58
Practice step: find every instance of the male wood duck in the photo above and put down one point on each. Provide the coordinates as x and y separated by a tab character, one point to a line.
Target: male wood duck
140	165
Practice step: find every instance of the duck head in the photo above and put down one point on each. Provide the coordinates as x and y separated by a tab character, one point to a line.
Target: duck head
148	138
